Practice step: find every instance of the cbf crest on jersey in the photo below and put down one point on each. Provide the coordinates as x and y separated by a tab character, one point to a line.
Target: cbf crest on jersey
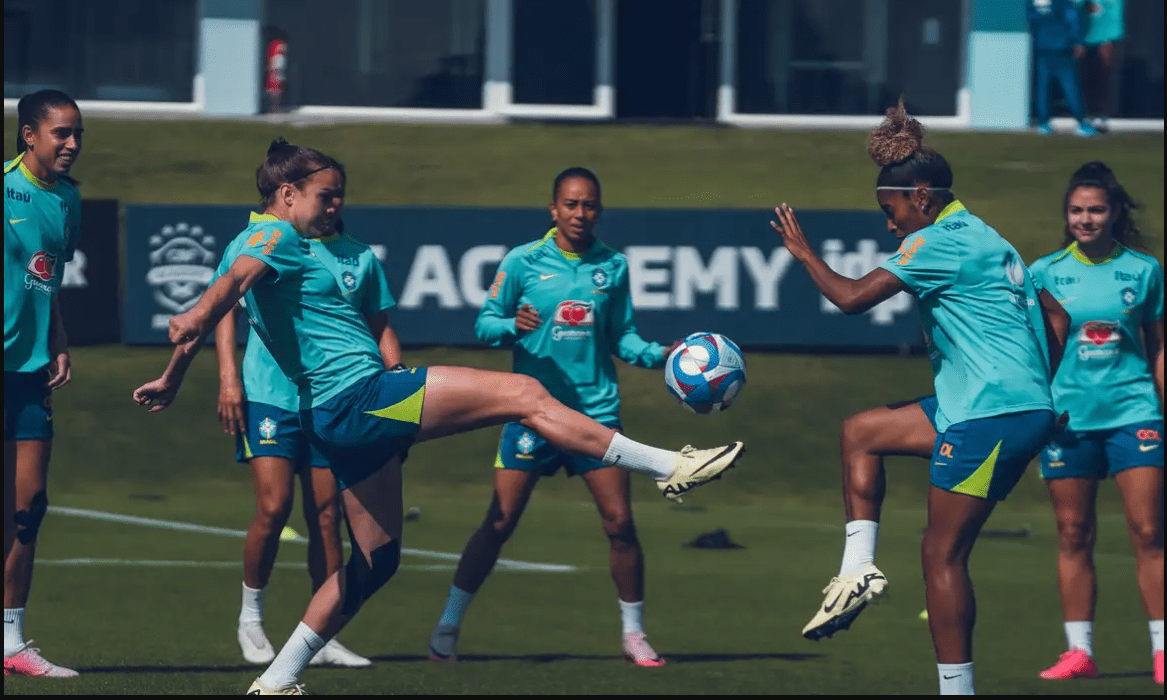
182	264
526	444
1054	454
349	280
600	279
1129	298
267	428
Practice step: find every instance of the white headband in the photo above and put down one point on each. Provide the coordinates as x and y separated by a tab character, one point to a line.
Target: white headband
913	189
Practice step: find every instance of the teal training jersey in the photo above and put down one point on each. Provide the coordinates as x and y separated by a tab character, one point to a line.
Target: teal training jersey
1105	22
361	280
314	333
1104	380
981	318
42	222
586	309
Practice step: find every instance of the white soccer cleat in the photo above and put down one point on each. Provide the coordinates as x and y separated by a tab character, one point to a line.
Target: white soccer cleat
29	662
254	643
846	596
335	654
697	468
258	688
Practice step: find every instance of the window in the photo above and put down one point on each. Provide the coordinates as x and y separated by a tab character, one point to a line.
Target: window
554	52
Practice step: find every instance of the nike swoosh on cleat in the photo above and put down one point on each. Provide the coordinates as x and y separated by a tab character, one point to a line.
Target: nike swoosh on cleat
828	608
714	458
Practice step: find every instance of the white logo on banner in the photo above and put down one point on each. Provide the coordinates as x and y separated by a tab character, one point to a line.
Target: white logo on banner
74	275
182	264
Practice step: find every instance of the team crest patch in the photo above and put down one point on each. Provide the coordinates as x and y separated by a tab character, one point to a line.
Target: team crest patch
600	279
267	428
349	281
1054	454
1129	297
526	443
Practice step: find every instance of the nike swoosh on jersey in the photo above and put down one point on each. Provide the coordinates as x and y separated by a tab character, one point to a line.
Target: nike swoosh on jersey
1147	448
17	221
547	277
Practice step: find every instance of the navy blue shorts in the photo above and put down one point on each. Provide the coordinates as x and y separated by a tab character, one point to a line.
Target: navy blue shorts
1101	453
986	457
367	424
274	432
28	406
525	450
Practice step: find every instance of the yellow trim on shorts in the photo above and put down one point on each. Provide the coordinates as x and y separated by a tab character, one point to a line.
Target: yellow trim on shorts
407	410
978	483
247	448
498	457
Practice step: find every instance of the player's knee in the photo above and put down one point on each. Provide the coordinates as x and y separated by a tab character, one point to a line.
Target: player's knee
855	433
940	552
500	525
328	515
272	508
619	526
1147	536
530	396
28	521
364	576
1075	534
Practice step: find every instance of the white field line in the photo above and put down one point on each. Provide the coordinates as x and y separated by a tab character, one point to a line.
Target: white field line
510	564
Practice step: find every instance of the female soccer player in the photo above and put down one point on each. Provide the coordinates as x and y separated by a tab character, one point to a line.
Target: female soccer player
992	410
42	211
581	286
1112	291
362	417
262	412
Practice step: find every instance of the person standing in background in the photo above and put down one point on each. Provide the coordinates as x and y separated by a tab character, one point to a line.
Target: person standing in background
1057	41
276	68
1104	29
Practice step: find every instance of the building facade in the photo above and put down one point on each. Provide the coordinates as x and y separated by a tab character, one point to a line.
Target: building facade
959	63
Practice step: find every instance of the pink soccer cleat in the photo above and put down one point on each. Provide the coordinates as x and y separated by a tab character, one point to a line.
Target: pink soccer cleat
1157	667
1075	663
640	652
29	662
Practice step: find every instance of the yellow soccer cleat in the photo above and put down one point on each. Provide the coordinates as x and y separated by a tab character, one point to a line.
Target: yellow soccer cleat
697	468
846	596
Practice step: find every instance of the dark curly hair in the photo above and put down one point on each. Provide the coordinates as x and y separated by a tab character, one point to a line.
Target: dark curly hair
897	147
1123	208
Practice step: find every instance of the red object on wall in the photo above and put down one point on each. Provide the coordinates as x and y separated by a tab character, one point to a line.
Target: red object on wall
277	63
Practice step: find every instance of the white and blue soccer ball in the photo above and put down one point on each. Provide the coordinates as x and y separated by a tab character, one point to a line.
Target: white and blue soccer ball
705	372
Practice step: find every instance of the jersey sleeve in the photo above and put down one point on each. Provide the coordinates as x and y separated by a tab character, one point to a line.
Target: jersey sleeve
278	245
376	297
496	320
1154	305
624	341
1037	273
925	262
72	223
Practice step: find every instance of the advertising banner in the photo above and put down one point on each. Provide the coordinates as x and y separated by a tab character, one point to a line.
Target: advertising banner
724	271
89	283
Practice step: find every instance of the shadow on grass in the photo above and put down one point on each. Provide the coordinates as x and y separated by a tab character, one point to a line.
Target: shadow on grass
1126	674
171	668
552	658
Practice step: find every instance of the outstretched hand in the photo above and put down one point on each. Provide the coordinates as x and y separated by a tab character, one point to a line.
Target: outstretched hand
792	236
157	394
527	319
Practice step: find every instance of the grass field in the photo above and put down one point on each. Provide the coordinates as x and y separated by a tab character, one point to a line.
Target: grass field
729	621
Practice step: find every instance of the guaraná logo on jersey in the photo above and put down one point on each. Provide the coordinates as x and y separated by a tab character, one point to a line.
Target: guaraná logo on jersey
1129	298
42	268
181	266
573	320
349	280
1099	339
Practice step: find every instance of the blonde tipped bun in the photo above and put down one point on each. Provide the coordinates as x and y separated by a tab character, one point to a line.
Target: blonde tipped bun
897	138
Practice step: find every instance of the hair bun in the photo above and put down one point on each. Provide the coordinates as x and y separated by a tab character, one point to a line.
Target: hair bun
277	144
1094	171
897	138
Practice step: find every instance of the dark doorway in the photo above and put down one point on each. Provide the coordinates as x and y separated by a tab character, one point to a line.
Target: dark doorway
667	59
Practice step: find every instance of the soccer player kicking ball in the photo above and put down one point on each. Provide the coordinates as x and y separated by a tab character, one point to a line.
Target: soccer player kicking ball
562	302
987	335
1107	383
362	417
42	209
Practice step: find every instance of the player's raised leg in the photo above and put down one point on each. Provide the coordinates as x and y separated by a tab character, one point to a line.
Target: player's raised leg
611	489
903	428
512	489
459	399
31	504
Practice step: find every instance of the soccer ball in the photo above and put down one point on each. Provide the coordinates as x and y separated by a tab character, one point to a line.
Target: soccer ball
706	372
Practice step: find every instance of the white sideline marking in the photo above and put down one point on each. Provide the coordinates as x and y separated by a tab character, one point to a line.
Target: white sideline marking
510	564
168	563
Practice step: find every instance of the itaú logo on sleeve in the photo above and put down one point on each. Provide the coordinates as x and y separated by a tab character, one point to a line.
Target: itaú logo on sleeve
1098	339
573	319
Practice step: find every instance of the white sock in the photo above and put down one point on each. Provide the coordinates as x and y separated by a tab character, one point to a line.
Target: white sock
859	548
1155	625
956	679
632	616
14	630
1080	635
633	456
252	610
293	658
